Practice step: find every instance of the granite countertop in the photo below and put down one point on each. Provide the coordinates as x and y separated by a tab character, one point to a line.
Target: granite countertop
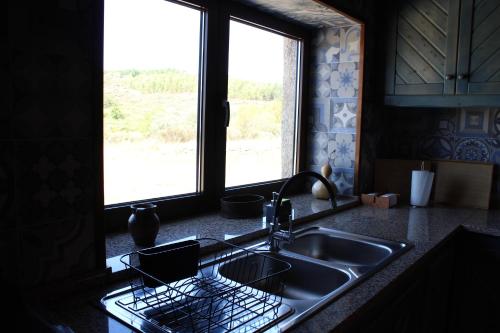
213	225
423	227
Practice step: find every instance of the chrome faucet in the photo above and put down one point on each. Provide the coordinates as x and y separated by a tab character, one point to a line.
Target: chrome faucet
276	234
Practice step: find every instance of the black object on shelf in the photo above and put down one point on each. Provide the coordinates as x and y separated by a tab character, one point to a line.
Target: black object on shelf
168	263
241	206
285	211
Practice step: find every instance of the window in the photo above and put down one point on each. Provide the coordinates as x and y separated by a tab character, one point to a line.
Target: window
262	86
168	72
151	98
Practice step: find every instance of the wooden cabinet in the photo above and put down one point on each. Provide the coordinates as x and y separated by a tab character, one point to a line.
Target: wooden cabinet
455	289
403	314
418	301
476	295
447	50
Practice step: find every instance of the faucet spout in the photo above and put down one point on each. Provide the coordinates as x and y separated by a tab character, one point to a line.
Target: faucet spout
276	234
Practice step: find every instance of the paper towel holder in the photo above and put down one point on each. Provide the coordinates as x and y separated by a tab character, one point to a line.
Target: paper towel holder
421	186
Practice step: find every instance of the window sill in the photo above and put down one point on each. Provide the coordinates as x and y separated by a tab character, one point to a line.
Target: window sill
215	226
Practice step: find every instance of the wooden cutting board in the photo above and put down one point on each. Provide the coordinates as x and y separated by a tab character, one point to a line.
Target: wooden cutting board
394	176
464	184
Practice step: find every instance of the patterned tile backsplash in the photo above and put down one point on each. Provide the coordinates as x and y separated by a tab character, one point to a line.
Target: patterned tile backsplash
48	184
469	134
332	121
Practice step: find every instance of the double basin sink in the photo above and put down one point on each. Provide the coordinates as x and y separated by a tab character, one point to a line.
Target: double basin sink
324	264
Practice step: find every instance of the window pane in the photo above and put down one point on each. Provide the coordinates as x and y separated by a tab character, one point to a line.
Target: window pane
262	92
151	74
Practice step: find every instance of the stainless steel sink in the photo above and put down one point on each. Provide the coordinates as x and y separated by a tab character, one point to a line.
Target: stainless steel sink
325	264
304	281
336	246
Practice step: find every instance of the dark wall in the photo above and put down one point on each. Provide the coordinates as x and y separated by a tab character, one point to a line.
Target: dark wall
48	143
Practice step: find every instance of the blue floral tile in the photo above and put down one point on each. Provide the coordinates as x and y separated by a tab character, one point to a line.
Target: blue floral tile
343	118
495	157
344	180
344	80
318	148
474	121
320	82
350	43
495	122
327	45
341	150
437	147
320	115
471	149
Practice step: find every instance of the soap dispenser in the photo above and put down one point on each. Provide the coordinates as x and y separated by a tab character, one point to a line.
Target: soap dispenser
285	209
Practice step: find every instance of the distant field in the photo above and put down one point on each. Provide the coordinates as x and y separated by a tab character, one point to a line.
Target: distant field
150	132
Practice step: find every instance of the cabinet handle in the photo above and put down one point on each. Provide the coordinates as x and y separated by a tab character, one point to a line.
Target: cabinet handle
462	76
227	112
449	77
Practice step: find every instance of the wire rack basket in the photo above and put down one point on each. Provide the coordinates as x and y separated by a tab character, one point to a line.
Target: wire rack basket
233	289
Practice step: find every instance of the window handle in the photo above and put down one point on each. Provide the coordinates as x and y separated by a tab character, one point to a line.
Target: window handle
227	111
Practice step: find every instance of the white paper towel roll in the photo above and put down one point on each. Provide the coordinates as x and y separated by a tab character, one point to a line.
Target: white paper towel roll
421	184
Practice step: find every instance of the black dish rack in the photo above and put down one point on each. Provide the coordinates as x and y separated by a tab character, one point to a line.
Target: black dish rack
233	289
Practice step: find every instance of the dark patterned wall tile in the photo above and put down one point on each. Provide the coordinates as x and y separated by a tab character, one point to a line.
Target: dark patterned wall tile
50	97
7	185
5	101
9	255
57	250
55	180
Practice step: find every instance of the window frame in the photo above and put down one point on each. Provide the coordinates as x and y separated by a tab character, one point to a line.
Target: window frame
214	44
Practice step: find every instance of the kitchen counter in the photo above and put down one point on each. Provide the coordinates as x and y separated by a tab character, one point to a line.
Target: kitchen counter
425	228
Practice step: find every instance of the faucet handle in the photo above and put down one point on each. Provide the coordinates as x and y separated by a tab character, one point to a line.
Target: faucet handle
275	197
290	230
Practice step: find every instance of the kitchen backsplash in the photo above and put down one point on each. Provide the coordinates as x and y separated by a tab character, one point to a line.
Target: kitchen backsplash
48	178
334	85
469	134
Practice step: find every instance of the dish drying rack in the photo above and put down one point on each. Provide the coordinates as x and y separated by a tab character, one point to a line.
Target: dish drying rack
234	289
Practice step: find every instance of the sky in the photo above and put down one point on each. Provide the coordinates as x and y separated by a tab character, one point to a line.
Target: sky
157	34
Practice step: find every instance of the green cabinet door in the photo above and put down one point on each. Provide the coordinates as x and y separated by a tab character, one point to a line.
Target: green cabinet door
478	68
422	51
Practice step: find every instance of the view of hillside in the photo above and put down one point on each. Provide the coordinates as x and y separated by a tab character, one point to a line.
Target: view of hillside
156	110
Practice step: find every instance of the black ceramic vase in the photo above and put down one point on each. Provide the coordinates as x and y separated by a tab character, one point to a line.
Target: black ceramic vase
144	224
